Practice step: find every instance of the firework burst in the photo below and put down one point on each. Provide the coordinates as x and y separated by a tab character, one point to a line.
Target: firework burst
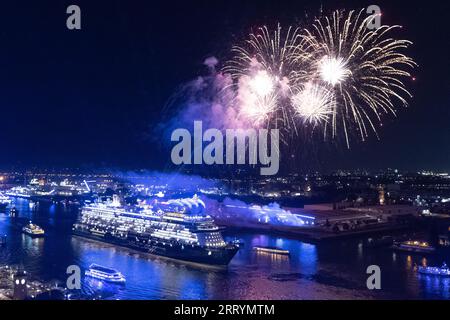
257	97
313	104
339	75
265	71
362	67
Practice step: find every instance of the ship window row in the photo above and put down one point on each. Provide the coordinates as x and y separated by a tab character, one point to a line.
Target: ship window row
170	235
132	222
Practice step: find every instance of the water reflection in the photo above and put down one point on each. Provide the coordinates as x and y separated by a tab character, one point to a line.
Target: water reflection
334	270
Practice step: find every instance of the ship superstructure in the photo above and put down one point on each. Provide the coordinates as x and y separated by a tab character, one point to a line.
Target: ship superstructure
177	228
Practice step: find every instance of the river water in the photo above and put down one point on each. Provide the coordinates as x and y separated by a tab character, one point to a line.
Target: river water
333	270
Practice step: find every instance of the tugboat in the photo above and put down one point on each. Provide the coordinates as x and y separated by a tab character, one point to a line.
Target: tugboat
443	271
414	246
33	230
105	274
274	250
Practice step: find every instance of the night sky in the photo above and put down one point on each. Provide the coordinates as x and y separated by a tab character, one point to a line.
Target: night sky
91	97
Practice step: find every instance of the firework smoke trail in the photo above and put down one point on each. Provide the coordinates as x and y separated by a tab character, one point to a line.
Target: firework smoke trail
363	68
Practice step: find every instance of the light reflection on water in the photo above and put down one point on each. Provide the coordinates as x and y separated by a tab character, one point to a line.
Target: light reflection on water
334	270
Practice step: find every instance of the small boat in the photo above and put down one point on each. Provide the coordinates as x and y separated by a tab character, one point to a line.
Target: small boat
14	212
33	230
443	271
274	250
414	246
238	243
105	274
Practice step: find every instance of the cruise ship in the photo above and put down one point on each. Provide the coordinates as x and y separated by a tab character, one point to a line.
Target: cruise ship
177	228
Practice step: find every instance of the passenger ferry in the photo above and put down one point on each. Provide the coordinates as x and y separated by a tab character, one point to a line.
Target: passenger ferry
33	230
274	250
176	228
443	271
414	246
105	274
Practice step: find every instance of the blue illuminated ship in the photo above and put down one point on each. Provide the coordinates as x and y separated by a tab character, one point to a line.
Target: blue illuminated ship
443	271
177	228
105	274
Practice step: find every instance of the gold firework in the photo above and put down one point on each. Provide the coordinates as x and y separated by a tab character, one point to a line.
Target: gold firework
341	75
313	103
362	67
265	63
